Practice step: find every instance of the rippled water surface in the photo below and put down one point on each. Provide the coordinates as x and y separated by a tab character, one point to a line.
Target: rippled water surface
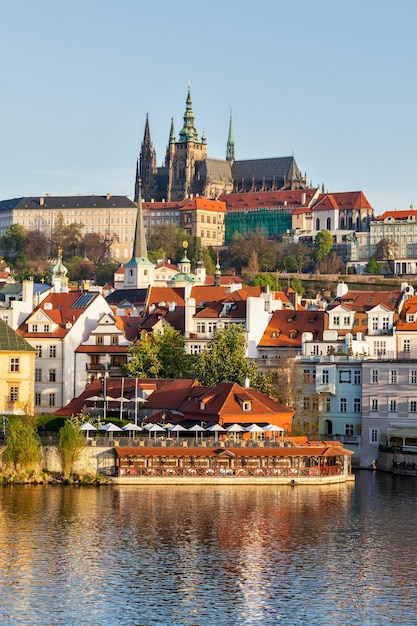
198	556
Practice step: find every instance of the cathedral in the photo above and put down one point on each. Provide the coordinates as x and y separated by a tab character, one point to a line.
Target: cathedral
188	172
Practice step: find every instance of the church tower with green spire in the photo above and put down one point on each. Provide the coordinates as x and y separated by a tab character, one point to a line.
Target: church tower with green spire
186	157
139	272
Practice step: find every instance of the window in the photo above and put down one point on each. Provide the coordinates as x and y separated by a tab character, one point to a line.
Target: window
34	328
38	351
115	340
344	376
356	405
46	328
346	320
357	377
374	377
306	403
52	352
406	345
343	405
37	399
38	375
201	327
392	405
380	348
14	364
51	399
315	404
325	377
13	394
373	436
413	406
375	323
385	323
327	406
349	429
413	377
247	405
306	376
336	320
99	339
374	404
393	377
52	376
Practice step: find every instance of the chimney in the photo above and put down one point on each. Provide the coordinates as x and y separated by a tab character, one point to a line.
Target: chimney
41	201
108	196
303	198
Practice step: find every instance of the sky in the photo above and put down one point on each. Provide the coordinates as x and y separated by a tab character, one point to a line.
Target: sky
333	83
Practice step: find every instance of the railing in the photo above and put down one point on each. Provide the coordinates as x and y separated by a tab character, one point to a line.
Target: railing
228	472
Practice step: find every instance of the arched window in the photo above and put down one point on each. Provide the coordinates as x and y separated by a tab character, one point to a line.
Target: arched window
317	224
329	224
342	222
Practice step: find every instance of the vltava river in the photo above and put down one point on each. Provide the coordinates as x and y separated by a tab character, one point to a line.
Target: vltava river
198	556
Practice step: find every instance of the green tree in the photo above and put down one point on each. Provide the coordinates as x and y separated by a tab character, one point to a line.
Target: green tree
297	285
143	361
323	243
105	272
224	359
266	280
71	443
372	267
13	243
160	355
22	449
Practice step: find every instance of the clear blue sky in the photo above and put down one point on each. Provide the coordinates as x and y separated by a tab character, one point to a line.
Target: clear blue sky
332	82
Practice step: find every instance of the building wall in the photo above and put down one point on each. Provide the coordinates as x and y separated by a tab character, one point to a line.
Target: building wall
23	380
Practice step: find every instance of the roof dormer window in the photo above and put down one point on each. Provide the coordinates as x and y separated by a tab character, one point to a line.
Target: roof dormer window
247	405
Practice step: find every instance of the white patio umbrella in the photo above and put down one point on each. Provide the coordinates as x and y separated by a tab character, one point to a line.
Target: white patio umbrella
273	428
235	428
177	429
156	428
87	427
132	428
122	401
94	398
111	428
216	429
197	429
253	429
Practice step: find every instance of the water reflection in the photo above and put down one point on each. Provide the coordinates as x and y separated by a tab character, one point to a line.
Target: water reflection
197	556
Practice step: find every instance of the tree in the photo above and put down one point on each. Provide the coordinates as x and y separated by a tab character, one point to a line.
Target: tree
13	242
224	359
97	247
165	240
387	250
160	355
266	280
297	285
330	264
372	267
22	449
71	443
323	243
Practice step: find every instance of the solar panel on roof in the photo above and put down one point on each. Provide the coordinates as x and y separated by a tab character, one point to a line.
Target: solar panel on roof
83	301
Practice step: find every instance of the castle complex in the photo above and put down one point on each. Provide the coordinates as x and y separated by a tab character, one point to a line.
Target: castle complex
188	172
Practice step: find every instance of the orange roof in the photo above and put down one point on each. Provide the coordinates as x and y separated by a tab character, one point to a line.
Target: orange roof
326	203
396	215
269	199
350	200
314	451
203	204
365	300
285	328
157	295
63	309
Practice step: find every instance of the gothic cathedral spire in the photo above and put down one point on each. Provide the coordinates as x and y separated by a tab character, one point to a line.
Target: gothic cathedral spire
147	170
230	152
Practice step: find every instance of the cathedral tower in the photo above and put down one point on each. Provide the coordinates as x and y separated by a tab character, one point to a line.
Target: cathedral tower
146	169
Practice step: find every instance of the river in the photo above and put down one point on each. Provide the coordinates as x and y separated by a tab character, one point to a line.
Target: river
214	555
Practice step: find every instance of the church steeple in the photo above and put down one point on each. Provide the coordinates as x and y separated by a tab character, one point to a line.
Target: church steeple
139	271
188	131
147	170
230	152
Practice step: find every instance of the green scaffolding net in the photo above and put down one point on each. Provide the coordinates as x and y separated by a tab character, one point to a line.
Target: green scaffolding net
269	222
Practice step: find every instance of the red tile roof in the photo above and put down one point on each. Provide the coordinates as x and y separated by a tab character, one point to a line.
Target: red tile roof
366	300
269	199
285	328
203	204
397	215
